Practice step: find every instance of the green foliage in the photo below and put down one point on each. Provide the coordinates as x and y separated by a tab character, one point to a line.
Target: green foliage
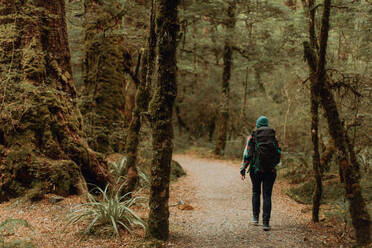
109	209
303	192
340	211
144	180
9	226
118	168
176	171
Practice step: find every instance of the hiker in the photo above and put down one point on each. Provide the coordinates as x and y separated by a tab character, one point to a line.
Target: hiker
261	154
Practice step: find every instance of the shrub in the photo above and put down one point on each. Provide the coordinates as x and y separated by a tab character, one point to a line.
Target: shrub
113	211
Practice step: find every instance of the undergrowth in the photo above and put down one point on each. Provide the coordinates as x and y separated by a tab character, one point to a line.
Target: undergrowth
297	172
110	210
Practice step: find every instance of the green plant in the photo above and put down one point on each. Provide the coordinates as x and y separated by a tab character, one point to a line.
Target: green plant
118	168
9	226
144	180
113	210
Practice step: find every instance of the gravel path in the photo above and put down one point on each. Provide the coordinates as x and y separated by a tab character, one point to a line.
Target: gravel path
222	211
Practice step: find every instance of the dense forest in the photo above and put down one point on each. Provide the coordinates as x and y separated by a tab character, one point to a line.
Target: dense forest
98	95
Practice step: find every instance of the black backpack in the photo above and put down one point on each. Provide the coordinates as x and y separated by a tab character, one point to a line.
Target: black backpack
265	149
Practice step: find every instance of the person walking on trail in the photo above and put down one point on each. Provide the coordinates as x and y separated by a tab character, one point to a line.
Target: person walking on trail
261	155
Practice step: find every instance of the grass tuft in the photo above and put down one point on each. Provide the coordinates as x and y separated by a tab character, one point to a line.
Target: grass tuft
113	211
118	169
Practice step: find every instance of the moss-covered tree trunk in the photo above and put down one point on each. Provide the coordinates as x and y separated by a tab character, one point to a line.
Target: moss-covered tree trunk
314	109
317	194
161	109
141	106
105	66
227	61
348	162
42	143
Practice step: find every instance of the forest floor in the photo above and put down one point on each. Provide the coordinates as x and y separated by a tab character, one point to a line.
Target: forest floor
210	207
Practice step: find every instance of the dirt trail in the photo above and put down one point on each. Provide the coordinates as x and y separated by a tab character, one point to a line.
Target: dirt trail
222	211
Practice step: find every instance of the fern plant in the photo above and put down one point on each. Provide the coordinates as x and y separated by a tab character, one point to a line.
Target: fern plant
113	211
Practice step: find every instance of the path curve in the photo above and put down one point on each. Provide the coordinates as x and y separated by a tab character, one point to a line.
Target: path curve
222	210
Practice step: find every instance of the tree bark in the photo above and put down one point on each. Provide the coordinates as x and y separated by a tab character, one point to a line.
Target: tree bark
141	106
327	155
107	96
314	100
43	147
312	12
317	194
348	163
161	109
261	87
227	60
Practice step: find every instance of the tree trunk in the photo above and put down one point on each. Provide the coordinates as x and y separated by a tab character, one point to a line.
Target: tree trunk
142	96
350	169
261	87
304	6
291	3
227	59
107	96
245	84
161	109
314	100
348	162
327	156
317	194
43	147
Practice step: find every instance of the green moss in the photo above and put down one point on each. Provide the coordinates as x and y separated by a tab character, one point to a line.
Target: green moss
303	192
103	101
37	192
33	60
37	175
176	171
42	146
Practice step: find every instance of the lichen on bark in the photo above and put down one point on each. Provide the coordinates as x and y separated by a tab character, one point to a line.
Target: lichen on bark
42	145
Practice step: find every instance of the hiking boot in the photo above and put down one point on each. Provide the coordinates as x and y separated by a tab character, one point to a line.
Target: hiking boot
254	221
266	226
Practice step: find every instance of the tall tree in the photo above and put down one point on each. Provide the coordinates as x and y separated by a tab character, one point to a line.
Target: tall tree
161	109
141	105
348	162
104	104
227	61
42	143
314	103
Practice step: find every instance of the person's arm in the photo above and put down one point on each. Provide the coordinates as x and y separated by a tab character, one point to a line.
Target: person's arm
279	150
246	161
